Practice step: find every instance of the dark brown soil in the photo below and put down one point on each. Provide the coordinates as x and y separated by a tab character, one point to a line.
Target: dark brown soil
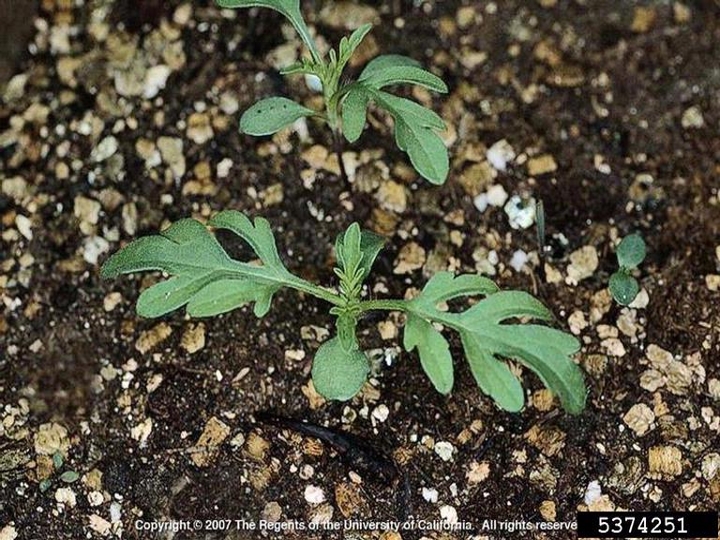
588	83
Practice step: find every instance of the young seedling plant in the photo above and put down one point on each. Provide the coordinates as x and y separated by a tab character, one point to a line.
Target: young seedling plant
630	253
204	279
346	102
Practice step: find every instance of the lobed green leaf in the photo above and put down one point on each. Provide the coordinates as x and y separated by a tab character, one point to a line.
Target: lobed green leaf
546	351
184	247
203	276
259	235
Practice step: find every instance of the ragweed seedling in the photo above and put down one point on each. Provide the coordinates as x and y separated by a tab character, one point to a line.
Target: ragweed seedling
346	103
630	253
205	280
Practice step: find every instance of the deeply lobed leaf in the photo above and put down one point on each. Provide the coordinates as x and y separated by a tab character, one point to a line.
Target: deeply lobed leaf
546	351
203	276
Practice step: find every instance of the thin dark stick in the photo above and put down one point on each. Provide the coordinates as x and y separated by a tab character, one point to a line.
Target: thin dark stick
338	144
540	221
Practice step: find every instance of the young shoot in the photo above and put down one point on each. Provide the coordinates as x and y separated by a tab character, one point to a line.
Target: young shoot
204	279
346	102
630	253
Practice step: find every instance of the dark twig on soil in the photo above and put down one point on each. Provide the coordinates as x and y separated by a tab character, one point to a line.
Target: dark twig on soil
353	450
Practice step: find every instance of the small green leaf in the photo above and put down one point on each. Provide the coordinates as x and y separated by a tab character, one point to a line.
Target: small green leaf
339	374
270	115
354	111
370	246
356	251
631	251
395	69
349	45
434	352
69	477
58	460
45	485
415	134
623	287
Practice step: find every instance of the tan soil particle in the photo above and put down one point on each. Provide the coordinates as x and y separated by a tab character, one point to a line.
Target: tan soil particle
193	339
215	432
666	460
150	339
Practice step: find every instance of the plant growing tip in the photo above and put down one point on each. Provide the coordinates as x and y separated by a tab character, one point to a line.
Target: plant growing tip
204	279
630	254
416	128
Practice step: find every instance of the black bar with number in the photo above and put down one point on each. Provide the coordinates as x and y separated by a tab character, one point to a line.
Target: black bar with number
647	525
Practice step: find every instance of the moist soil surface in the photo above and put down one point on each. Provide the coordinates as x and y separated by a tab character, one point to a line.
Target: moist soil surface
123	118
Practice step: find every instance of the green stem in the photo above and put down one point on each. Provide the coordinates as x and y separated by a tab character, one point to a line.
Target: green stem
286	279
304	33
385	305
329	296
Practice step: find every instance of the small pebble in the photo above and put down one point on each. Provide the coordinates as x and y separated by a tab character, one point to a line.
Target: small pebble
314	495
445	450
499	154
430	494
